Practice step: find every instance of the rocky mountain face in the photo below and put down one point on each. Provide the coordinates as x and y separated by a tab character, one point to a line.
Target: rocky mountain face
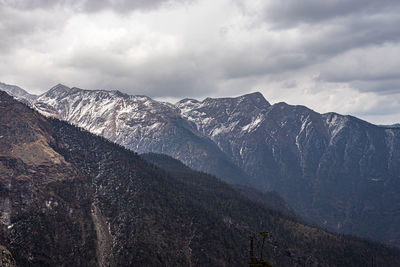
19	93
337	171
139	123
70	198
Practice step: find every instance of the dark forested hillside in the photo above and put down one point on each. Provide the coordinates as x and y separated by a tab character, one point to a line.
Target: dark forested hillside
178	170
69	198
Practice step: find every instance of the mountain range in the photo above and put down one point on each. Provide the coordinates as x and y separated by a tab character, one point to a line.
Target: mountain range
337	171
71	198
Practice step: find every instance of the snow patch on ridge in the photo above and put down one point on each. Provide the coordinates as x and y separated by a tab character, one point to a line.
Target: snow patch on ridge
254	124
224	128
336	123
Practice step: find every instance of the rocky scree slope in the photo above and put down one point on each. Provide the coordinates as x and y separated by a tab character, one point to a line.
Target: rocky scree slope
84	201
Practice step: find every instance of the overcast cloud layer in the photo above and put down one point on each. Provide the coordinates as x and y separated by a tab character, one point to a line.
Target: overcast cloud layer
332	55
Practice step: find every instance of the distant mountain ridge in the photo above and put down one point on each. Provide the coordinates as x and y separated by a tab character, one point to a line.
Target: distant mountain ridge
396	125
19	93
338	171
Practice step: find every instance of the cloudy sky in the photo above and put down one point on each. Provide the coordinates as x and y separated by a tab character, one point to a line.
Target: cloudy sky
331	55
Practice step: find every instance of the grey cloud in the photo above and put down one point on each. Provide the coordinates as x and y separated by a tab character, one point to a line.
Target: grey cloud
388	87
292	12
121	6
258	62
125	5
353	33
157	77
325	29
387	107
16	27
286	40
373	69
318	44
28	4
356	73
